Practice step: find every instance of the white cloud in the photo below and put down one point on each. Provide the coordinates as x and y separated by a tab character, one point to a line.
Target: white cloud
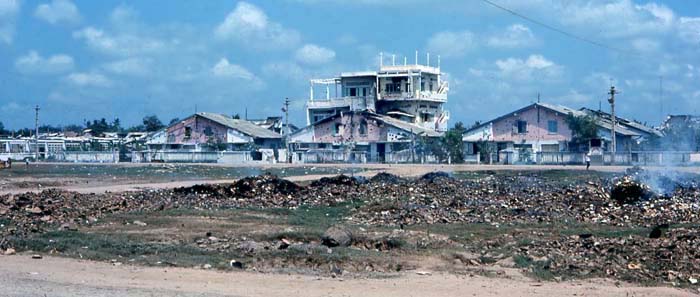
130	66
287	70
33	63
689	29
224	69
82	79
123	44
451	44
516	35
622	18
58	11
645	45
535	66
314	54
8	12
250	26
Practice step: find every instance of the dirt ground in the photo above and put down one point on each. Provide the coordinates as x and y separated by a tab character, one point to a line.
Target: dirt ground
100	184
22	276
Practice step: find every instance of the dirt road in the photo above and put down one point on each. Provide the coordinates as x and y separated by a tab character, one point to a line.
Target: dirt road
22	276
406	170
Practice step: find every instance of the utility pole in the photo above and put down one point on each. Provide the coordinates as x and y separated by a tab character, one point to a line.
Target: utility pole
611	100
36	133
286	130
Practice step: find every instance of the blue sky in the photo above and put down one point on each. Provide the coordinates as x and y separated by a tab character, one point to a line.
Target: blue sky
84	59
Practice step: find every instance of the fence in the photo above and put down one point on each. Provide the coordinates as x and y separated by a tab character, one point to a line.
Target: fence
642	158
201	157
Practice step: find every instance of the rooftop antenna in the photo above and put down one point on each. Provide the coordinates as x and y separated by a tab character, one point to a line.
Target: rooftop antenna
428	58
438	61
393	60
416	57
405	61
381	59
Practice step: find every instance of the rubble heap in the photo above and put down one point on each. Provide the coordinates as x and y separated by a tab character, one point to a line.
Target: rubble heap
674	257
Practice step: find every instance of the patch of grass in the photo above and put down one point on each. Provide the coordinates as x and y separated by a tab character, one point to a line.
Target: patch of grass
114	246
538	269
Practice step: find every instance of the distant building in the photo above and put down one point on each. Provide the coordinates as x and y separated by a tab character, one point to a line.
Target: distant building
542	127
534	128
205	131
373	116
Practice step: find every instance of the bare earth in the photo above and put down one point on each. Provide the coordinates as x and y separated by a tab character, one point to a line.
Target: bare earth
405	170
22	276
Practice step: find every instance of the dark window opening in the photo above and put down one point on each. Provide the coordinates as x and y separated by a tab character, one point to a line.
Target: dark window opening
188	132
363	128
522	127
552	127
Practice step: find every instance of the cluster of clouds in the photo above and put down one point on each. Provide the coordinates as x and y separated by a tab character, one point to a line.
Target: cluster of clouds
167	59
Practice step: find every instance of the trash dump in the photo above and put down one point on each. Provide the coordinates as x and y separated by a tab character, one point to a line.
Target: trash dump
628	190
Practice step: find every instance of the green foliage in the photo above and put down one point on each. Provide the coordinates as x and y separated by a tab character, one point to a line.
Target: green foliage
447	147
151	123
173	121
2	128
583	128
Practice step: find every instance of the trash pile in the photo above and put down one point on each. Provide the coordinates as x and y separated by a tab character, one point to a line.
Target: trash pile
674	257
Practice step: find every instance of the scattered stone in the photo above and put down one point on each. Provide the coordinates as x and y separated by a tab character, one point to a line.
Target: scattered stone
337	236
37	256
140	223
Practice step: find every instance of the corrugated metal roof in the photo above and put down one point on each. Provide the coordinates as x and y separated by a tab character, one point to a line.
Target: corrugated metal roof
243	126
406	126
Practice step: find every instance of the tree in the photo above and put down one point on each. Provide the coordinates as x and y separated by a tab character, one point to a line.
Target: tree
116	125
2	129
237	116
151	123
73	128
173	121
448	147
583	128
98	127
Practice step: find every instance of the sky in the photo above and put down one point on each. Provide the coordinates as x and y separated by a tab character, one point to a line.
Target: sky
84	59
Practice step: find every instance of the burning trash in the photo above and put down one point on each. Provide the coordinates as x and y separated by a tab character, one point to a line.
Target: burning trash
628	190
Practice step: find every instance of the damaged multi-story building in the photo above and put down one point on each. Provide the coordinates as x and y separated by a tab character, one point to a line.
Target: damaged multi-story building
373	116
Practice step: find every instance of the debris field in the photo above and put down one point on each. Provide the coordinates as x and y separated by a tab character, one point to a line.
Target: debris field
666	250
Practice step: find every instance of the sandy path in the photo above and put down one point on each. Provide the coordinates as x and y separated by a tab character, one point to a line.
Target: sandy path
22	276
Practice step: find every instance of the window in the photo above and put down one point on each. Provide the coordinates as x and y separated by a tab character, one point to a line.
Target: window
364	92
393	88
552	127
362	130
208	131
522	127
188	132
338	129
353	92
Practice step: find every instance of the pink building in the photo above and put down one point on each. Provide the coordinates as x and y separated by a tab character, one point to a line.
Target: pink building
538	127
361	136
206	131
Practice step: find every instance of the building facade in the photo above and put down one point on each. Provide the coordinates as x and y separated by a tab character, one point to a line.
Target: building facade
372	116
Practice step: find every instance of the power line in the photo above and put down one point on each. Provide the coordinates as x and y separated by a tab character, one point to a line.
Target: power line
570	35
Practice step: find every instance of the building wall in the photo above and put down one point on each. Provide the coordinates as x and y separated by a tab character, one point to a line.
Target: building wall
176	133
325	132
504	131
